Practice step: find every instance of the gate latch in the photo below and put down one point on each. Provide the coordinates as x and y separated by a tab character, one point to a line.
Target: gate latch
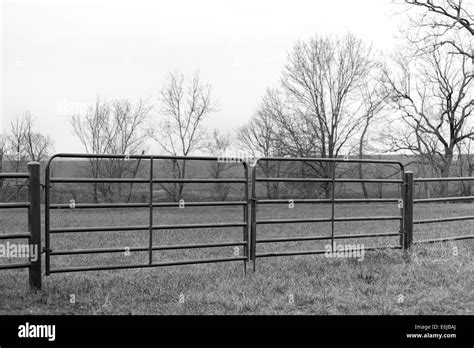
43	186
43	250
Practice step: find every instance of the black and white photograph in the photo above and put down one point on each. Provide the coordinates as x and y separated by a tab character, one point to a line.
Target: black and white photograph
255	166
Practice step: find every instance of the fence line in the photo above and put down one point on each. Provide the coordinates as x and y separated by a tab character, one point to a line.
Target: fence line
443	199
249	224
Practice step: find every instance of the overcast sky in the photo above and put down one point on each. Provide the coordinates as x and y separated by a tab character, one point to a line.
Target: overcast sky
57	57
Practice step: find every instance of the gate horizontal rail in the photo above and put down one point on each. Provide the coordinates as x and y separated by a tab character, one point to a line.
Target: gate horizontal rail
131	249
431	221
144	227
337	200
147	265
386	181
150	205
459	178
310	238
146	205
443	199
144	181
14	175
14	205
15	236
338	219
321	252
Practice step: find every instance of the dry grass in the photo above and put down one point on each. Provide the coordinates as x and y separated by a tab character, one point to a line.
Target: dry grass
430	279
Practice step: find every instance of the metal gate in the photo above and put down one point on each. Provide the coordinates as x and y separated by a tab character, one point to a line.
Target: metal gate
51	231
404	202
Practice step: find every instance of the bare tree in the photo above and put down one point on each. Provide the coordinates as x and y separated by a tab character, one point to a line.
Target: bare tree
218	146
258	137
36	146
23	144
440	23
323	78
126	135
16	153
5	190
2	154
112	128
433	96
261	137
374	101
91	131
180	132
317	112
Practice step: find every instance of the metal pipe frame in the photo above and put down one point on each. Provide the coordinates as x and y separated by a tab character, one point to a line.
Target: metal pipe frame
322	201
141	249
343	180
443	199
447	219
333	180
445	239
463	178
14	176
250	222
320	252
14	205
144	181
314	238
143	227
150	205
146	205
331	219
146	265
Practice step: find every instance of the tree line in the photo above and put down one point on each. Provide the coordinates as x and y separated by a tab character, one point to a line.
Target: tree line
336	96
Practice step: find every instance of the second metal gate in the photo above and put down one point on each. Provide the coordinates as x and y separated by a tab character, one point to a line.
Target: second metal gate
403	202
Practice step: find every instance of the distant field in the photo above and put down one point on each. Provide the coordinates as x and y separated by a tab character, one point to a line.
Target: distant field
437	280
83	192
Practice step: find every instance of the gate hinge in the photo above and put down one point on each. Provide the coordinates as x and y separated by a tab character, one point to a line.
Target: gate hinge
43	186
43	250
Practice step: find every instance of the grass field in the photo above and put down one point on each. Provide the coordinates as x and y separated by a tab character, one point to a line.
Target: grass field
430	279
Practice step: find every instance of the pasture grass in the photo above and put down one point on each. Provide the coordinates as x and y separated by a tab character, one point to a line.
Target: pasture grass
428	279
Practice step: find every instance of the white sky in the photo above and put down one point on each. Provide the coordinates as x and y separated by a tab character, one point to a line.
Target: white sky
57	56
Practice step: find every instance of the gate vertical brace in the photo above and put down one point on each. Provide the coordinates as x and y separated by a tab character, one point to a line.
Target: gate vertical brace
246	217
34	223
253	217
47	219
408	210
402	209
150	237
333	207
